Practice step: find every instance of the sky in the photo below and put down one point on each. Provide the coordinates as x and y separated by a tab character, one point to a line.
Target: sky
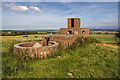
59	0
53	15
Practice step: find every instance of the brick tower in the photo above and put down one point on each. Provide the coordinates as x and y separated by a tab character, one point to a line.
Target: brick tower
73	23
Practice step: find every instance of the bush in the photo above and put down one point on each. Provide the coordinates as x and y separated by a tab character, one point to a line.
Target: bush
12	70
25	36
80	41
37	40
35	36
117	38
60	48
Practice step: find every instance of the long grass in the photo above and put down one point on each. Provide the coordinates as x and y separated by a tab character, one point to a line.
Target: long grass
93	60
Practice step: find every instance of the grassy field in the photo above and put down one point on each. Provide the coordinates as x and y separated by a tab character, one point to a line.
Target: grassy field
96	60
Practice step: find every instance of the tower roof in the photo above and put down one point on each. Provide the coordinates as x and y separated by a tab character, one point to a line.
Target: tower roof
73	18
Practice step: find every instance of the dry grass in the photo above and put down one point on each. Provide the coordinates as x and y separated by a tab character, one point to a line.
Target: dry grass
21	38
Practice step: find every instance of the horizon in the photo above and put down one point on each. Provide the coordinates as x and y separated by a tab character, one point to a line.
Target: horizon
46	29
53	15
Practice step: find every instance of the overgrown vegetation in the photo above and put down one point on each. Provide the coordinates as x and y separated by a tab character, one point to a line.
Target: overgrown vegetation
80	41
87	59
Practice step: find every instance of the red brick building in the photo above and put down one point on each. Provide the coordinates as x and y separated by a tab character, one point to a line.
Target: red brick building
73	27
49	43
68	35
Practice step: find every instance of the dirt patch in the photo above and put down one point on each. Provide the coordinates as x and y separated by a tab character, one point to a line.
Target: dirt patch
108	45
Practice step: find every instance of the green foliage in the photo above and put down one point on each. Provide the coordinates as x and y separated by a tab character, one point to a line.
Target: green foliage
59	48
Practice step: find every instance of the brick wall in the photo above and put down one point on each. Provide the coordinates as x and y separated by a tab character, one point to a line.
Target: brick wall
40	52
77	23
65	40
76	29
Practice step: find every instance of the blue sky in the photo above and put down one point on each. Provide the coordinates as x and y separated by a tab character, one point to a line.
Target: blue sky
53	15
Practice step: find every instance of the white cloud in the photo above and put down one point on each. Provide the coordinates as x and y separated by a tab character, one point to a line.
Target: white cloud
22	8
35	9
17	8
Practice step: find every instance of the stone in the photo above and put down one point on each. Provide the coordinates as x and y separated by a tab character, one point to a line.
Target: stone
70	74
37	45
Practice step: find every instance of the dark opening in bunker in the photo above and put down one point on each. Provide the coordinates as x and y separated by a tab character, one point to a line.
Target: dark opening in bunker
68	45
70	32
47	40
83	31
72	23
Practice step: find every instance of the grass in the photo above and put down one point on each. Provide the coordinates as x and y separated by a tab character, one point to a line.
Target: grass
107	39
103	37
22	38
95	60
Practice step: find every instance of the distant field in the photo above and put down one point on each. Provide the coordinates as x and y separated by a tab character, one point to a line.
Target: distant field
106	38
22	38
104	31
97	60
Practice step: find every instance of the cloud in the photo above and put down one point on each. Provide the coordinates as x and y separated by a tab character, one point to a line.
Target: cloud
35	9
22	8
17	8
93	15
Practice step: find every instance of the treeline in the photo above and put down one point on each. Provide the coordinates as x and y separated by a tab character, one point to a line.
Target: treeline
104	29
15	33
118	34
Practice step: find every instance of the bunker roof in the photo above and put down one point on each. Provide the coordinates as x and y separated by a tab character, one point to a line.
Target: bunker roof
73	18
